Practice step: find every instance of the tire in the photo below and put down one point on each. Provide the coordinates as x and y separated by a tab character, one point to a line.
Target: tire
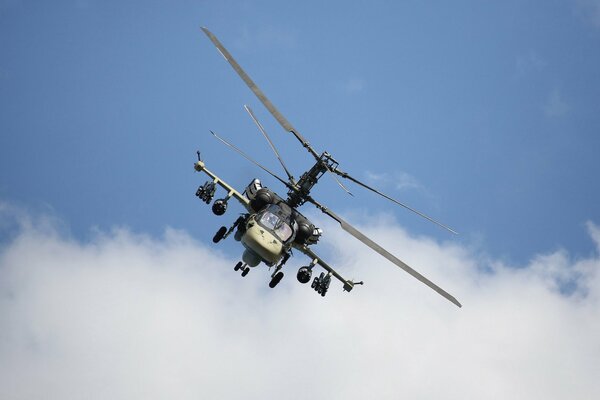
276	279
219	235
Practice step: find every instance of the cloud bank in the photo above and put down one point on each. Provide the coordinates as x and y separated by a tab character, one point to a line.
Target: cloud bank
125	315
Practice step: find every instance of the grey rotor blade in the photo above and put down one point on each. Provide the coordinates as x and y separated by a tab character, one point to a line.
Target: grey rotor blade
363	238
247	157
261	96
264	132
345	175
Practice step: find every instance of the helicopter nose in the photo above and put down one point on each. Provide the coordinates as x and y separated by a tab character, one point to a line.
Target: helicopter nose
263	243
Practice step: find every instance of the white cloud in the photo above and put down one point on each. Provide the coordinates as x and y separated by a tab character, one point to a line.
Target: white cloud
400	180
129	316
594	232
555	105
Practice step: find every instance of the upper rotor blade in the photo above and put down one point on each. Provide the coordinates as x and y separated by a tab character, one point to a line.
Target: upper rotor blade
338	182
262	130
261	96
360	236
345	175
247	157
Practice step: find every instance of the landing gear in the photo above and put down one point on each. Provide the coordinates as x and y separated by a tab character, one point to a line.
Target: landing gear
276	279
223	232
245	268
277	275
220	234
321	283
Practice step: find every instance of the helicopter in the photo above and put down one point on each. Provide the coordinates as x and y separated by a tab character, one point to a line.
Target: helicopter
273	226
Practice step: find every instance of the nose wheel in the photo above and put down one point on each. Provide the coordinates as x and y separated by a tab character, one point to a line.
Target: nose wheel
244	267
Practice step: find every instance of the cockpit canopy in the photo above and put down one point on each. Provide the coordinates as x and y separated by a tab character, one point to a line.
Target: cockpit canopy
276	220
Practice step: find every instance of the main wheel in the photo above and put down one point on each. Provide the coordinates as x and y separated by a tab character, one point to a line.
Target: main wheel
245	271
276	279
219	235
237	266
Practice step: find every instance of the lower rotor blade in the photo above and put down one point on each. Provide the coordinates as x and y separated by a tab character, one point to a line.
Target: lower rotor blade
345	175
363	238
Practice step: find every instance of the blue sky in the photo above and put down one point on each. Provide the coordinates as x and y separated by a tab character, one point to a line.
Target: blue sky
484	115
490	110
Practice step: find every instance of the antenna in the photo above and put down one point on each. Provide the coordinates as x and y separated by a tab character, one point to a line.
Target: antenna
264	132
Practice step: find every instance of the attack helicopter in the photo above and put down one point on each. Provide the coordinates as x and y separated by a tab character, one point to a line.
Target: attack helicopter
272	226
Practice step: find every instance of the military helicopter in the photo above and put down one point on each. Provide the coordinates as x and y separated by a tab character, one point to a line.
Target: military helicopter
272	226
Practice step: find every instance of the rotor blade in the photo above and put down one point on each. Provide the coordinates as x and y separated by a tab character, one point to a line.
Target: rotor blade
262	130
360	236
247	157
345	175
261	96
338	181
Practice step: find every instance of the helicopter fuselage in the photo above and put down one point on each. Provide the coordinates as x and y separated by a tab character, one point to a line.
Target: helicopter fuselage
261	240
269	229
274	228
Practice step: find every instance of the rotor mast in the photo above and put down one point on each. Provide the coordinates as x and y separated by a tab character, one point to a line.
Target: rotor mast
324	163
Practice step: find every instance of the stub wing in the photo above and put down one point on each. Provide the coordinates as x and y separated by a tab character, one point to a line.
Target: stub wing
231	192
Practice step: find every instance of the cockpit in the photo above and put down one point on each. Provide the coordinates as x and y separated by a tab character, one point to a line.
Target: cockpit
276	220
